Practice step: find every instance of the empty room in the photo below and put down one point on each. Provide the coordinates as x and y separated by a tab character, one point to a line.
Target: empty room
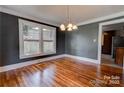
62	46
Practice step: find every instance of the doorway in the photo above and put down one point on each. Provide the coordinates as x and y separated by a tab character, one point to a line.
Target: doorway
111	43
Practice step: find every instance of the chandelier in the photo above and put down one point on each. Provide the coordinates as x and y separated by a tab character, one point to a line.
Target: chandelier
69	26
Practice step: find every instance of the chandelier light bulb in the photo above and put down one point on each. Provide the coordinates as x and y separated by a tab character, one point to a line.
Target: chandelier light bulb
62	27
69	25
75	27
69	29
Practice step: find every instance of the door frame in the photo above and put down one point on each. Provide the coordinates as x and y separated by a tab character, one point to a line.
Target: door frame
116	21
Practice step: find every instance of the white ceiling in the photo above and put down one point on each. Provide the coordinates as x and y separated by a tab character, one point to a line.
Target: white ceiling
56	14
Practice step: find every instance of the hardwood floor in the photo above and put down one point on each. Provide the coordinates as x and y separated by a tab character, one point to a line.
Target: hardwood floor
63	72
109	63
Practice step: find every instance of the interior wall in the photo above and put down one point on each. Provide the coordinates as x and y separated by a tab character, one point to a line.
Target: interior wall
10	41
83	42
117	42
0	42
120	33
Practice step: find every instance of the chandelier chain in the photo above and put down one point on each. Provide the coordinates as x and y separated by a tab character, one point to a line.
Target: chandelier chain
68	14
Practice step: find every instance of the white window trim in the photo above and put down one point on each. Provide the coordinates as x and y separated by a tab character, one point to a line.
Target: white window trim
21	44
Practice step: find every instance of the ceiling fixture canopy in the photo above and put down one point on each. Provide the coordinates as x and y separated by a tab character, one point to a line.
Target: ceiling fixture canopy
69	26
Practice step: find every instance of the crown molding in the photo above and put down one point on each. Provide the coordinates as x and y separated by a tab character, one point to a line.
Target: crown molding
115	15
20	14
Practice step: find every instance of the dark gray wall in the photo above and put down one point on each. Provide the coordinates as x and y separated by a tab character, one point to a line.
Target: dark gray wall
80	42
117	41
0	42
10	41
60	42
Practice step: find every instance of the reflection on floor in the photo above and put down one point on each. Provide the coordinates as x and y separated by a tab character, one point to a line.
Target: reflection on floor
108	60
63	72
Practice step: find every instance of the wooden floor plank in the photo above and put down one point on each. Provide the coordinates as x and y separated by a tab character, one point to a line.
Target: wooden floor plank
63	72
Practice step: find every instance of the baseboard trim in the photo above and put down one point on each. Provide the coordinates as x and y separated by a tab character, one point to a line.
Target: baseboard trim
27	63
83	58
19	65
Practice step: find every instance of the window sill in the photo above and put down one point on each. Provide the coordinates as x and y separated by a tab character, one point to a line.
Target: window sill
35	55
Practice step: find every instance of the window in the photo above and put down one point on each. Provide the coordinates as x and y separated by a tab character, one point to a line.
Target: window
36	39
48	41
